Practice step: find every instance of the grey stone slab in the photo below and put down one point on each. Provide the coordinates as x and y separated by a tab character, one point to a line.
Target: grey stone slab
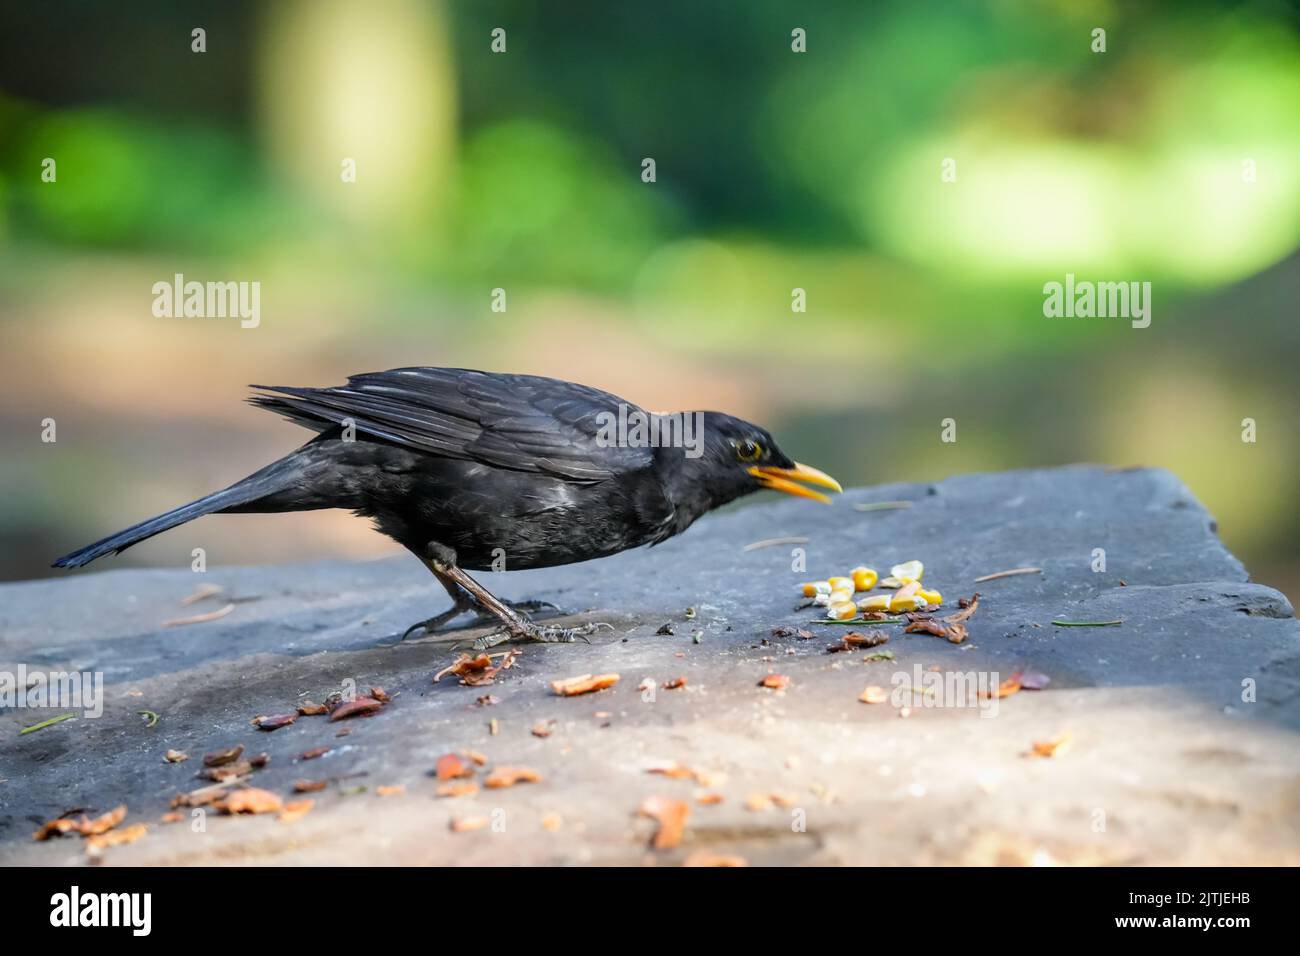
1172	760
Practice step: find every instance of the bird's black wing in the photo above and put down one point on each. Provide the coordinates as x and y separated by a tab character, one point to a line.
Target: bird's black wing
521	422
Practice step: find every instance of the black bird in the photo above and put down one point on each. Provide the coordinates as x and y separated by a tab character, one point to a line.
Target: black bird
478	470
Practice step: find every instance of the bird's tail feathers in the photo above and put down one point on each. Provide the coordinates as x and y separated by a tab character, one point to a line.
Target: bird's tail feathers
273	480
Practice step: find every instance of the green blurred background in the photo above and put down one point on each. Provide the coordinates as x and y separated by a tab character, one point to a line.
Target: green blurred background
775	170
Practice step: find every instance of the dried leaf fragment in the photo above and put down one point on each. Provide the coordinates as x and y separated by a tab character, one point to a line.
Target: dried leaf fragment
360	707
464	664
390	790
102	824
1057	746
583	684
475	670
775	682
101	841
1005	689
677	683
314	753
230	771
671	816
673	771
56	827
274	722
709	858
968	607
295	810
249	800
311	709
509	776
219	758
450	767
853	640
469	824
202	796
175	756
309	786
874	694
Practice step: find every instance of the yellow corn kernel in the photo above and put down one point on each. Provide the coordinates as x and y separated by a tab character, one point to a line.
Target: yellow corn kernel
906	602
842	611
841	584
931	597
843	593
814	588
910	570
864	579
905	598
877	602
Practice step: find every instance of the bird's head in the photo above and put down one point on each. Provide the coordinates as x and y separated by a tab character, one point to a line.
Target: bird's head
736	457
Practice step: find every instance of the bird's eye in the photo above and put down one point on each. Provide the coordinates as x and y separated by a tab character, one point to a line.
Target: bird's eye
749	450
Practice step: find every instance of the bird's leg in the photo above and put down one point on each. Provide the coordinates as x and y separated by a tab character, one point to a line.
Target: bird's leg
461	603
515	626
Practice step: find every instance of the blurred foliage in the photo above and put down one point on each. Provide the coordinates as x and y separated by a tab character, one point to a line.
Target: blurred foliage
775	170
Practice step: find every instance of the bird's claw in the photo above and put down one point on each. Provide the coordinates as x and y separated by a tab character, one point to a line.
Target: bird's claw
530	633
481	615
435	622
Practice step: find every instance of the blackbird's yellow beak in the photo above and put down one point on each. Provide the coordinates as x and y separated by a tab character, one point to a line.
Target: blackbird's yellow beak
779	479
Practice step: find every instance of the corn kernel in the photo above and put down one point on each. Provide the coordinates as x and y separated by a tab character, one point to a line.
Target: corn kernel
864	579
842	611
910	570
841	594
814	588
931	597
841	584
877	602
822	600
905	598
910	602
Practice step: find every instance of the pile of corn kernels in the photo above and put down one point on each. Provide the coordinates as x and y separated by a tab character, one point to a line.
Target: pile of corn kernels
837	594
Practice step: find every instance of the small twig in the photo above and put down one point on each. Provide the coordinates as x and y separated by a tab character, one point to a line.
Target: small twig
882	506
772	543
1088	623
204	591
1007	574
46	723
200	618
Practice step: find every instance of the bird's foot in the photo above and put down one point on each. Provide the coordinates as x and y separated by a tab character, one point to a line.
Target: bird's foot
526	632
481	615
437	621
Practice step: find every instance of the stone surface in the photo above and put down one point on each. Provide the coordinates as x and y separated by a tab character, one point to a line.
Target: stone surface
1169	763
